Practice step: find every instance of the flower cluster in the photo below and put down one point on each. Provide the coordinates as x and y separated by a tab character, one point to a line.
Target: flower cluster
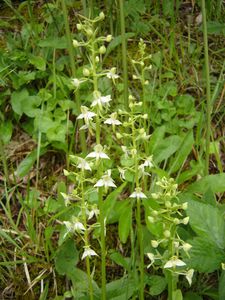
169	214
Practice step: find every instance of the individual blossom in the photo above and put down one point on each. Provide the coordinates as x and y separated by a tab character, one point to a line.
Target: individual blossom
93	212
152	257
83	164
74	226
98	153
77	82
174	262
138	194
113	120
189	276
88	252
112	74
101	101
86	115
122	173
105	181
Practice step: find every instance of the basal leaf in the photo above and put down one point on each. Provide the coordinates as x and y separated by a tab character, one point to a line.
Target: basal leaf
183	152
125	223
215	182
66	257
208	222
17	100
166	148
38	61
157	284
205	256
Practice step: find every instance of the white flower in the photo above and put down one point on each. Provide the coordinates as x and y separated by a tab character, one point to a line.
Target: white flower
151	256
66	198
83	164
174	262
77	82
112	120
88	252
98	153
112	74
186	247
94	212
75	225
86	114
189	276
138	194
122	173
101	101
105	181
185	220
148	162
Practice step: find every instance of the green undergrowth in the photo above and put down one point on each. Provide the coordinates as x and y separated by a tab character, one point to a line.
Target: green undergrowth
112	150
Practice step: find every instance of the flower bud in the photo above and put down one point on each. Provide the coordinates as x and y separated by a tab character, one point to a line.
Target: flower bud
185	221
102	15
154	243
135	77
184	205
166	233
89	32
155	213
76	43
76	82
168	204
102	50
108	38
145	116
176	221
186	247
97	59
151	219
119	135
79	26
86	72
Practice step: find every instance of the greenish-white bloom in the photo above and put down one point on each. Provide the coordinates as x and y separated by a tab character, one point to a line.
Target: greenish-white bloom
138	194
113	120
98	153
88	252
189	275
112	74
74	226
83	164
174	262
101	101
86	114
105	181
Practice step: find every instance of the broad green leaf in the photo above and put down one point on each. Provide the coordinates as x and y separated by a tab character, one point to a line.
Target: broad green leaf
54	42
38	62
120	260
205	256
214	27
222	286
66	257
214	182
125	221
6	129
18	99
28	162
120	289
57	133
110	200
156	138
30	106
183	152
166	148
157	284
208	222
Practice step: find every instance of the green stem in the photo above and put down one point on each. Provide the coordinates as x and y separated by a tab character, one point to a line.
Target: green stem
208	96
4	162
73	70
138	218
103	252
124	53
86	239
